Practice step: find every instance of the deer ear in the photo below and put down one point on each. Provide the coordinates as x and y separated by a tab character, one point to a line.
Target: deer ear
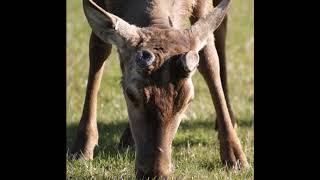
188	62
108	27
209	23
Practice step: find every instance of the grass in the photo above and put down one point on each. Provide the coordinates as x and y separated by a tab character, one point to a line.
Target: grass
195	147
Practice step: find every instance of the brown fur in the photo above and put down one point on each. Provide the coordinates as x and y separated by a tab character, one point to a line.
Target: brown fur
156	95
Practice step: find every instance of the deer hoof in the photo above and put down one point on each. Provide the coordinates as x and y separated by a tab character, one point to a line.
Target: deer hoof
232	156
84	146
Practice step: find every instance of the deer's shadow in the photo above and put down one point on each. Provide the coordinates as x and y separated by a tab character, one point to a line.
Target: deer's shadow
110	133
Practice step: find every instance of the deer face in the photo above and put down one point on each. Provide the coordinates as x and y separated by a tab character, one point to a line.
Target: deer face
157	65
158	89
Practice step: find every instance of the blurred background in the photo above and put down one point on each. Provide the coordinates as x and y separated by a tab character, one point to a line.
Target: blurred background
195	148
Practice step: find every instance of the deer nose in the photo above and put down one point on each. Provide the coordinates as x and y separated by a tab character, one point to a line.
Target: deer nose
144	58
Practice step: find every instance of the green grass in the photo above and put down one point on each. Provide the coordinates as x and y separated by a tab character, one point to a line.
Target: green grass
195	147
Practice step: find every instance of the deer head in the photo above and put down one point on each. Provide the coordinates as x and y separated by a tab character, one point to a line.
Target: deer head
157	66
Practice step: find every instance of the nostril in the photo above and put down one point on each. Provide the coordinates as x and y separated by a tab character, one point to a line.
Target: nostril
144	58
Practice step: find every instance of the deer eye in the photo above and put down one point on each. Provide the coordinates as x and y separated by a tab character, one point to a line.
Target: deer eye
144	58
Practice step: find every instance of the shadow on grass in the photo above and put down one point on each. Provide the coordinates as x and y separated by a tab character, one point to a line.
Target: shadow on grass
109	136
110	133
191	127
209	124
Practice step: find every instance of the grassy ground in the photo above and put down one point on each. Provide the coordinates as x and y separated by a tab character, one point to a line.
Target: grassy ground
195	147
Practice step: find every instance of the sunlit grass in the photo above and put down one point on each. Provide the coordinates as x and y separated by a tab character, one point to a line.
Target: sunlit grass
195	147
